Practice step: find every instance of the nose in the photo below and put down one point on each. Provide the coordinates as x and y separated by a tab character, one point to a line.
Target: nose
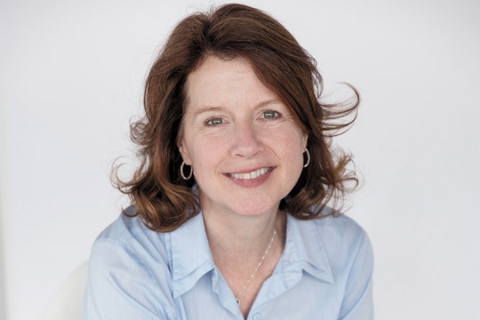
246	141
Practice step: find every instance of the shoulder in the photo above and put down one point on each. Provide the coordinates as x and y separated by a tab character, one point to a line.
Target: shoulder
342	233
339	228
125	248
124	228
128	239
343	239
335	229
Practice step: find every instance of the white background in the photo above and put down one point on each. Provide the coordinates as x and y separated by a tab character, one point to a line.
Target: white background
71	79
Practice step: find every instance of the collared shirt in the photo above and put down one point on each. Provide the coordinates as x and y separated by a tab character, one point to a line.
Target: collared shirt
325	273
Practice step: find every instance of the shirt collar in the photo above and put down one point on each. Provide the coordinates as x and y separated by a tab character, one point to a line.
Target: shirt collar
190	256
305	250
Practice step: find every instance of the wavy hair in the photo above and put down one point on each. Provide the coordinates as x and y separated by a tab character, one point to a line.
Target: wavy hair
160	196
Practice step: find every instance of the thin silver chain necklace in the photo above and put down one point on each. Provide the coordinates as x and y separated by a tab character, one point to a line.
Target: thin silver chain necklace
237	297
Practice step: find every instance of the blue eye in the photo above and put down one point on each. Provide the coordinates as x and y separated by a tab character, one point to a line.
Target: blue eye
270	115
214	122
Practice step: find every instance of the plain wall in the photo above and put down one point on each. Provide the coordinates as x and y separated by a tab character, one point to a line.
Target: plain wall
2	197
72	77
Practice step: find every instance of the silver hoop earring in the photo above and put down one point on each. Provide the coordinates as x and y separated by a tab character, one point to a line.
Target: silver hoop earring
308	158
182	174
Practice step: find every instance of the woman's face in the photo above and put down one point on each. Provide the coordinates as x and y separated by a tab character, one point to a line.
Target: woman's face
244	146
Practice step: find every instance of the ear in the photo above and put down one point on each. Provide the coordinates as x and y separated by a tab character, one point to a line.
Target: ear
184	152
304	141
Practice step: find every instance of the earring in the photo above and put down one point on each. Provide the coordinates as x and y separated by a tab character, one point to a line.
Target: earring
308	158
182	174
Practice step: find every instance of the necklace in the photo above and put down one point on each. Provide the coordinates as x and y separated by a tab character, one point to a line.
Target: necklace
237	297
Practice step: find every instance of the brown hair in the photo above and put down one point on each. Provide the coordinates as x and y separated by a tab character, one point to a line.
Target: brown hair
160	196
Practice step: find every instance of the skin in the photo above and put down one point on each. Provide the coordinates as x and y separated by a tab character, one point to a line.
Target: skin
234	125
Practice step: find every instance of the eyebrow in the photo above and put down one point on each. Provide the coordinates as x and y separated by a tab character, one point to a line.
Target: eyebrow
260	105
207	109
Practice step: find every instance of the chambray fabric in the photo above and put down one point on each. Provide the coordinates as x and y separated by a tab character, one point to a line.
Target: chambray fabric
324	273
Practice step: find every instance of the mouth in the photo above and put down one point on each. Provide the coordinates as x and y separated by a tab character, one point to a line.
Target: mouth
250	175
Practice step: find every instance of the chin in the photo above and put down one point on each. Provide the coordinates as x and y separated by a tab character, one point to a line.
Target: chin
256	208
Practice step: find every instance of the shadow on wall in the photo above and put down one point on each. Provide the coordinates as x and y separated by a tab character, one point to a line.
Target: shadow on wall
3	315
3	312
67	303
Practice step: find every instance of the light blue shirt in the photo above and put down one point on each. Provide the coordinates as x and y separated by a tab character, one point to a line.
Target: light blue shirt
325	273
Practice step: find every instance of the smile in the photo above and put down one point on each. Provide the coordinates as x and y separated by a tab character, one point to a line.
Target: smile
250	175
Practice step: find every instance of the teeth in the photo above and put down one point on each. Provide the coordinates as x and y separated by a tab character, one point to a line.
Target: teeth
250	175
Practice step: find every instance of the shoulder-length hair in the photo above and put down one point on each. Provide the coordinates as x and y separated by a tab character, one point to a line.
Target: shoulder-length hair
160	196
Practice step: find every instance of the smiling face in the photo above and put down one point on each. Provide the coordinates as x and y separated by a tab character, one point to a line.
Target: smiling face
244	146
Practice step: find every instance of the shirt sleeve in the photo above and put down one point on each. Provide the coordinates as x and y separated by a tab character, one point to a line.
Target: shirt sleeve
121	286
358	301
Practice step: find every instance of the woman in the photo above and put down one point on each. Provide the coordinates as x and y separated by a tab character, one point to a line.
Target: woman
229	217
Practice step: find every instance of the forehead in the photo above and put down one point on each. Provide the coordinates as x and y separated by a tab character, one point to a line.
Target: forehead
219	80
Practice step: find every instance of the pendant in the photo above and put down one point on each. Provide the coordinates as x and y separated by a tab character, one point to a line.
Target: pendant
238	301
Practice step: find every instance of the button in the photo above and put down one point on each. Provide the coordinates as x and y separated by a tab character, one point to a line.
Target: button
257	316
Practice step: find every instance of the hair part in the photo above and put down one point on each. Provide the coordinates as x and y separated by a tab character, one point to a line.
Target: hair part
160	196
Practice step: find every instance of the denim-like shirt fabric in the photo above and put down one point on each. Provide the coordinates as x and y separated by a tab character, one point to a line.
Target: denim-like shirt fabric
325	273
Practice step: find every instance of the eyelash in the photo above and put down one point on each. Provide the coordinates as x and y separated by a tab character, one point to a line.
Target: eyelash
210	122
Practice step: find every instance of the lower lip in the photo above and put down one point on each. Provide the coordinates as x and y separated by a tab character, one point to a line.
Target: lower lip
251	183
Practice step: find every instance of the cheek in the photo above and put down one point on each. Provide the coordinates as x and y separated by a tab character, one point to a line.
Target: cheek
206	151
293	148
296	160
291	140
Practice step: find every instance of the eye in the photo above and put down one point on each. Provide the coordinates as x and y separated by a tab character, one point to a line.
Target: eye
270	114
214	122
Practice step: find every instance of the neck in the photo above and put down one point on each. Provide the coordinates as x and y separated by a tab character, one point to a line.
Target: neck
242	238
239	243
